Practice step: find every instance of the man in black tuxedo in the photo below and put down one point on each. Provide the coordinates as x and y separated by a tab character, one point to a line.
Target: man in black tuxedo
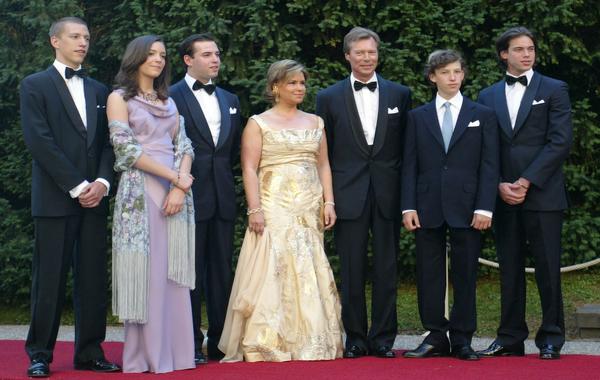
534	116
63	114
449	180
365	117
213	123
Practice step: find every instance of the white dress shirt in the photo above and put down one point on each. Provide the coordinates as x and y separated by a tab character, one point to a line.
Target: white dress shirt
210	107
455	105
75	86
367	104
514	95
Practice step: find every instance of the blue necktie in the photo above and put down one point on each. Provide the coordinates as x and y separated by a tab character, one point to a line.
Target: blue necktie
447	126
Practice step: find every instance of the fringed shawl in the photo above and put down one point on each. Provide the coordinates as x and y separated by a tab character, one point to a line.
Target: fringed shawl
130	238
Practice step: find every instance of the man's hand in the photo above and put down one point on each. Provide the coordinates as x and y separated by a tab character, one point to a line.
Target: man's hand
92	194
512	193
174	201
481	222
411	220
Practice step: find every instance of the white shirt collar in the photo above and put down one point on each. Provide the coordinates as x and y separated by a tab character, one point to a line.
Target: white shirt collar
190	80
60	67
455	101
528	74
372	79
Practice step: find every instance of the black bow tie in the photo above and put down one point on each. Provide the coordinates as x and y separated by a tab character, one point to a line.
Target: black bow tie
69	73
359	85
209	88
510	80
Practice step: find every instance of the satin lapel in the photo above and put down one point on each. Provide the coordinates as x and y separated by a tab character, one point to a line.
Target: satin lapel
382	116
355	125
196	111
67	100
464	117
91	110
501	108
432	123
527	100
225	118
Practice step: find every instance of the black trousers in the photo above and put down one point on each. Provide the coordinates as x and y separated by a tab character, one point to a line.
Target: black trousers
431	283
214	277
61	243
519	232
351	240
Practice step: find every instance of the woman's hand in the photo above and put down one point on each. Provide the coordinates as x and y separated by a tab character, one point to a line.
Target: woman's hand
174	201
256	222
183	181
329	216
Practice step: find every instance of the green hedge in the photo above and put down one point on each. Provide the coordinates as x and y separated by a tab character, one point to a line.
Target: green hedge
253	34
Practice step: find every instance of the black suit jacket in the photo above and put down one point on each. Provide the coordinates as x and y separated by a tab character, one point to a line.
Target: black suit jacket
65	152
449	187
539	144
214	187
355	166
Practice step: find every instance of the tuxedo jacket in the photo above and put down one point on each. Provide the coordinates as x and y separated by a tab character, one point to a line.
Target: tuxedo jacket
449	187
214	186
64	151
354	165
539	144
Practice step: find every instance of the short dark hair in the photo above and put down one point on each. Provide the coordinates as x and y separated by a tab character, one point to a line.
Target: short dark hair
57	26
186	47
440	58
359	33
135	55
503	41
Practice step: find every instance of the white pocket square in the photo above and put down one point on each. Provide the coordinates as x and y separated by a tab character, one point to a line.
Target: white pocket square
392	110
232	111
473	124
536	102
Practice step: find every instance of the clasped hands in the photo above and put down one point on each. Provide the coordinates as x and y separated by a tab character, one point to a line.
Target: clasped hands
92	194
514	193
176	197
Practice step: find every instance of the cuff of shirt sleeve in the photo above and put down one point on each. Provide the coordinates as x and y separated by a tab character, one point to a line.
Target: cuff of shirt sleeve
76	191
484	213
406	211
105	183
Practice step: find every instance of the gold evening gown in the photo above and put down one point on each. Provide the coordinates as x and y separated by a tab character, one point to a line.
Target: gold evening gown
284	303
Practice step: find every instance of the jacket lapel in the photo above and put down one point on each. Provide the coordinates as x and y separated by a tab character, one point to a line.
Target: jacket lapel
382	116
196	112
67	100
352	112
501	108
91	110
527	100
464	117
225	118
432	122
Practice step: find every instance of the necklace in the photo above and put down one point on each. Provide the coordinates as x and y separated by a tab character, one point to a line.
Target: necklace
151	97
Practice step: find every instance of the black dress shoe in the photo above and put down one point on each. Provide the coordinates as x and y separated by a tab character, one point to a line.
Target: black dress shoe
427	351
496	349
38	368
354	352
549	352
384	352
199	358
464	352
98	365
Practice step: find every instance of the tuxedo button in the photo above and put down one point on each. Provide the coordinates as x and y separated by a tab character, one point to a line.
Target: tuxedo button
445	167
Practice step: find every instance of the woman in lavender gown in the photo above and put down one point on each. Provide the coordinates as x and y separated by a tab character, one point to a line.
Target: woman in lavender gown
153	224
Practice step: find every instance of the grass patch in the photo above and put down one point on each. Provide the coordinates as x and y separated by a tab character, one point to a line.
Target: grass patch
579	288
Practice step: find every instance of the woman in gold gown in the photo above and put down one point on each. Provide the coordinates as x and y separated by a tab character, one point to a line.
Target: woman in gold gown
284	303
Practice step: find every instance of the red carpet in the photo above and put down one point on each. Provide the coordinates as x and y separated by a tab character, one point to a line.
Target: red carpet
13	364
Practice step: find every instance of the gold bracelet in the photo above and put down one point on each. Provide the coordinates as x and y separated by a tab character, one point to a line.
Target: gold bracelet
330	203
253	211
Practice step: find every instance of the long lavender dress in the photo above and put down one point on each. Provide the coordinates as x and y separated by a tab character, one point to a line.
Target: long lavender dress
166	342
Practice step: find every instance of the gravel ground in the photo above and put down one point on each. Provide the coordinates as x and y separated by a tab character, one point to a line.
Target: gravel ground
115	334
